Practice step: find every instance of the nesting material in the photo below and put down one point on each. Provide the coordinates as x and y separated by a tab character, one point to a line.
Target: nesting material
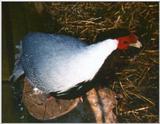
138	83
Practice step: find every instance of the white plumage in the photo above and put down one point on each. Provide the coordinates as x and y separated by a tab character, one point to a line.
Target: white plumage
83	66
56	63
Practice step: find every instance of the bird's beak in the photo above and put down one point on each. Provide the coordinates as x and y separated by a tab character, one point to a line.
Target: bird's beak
138	44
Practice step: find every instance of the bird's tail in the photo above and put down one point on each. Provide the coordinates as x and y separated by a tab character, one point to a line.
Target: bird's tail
18	69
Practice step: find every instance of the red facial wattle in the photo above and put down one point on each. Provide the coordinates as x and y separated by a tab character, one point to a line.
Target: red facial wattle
126	40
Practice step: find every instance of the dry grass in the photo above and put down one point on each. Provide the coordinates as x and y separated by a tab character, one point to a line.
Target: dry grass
86	20
138	83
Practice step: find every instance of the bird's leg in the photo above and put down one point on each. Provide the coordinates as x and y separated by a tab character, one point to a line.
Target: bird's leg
95	106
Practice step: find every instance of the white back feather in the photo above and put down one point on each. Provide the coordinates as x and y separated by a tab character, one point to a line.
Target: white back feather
84	65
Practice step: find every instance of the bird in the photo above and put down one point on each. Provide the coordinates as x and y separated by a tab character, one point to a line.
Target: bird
57	63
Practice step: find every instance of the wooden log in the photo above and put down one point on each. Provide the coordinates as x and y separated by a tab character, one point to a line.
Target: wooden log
42	109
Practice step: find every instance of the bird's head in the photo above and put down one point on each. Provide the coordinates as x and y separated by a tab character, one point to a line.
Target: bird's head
124	37
130	40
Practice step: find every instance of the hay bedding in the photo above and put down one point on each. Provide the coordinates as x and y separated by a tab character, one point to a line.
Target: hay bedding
138	84
86	20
